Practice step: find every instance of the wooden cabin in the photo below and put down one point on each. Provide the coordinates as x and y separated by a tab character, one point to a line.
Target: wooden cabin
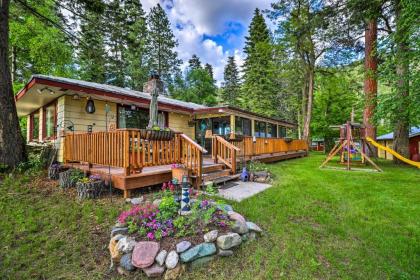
387	140
108	139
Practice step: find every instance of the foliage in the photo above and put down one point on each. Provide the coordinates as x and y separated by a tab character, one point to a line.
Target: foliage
255	166
231	85
168	207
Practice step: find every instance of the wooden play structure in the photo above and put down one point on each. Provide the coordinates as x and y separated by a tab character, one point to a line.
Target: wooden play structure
352	148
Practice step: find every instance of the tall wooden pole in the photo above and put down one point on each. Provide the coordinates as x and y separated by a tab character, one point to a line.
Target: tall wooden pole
370	83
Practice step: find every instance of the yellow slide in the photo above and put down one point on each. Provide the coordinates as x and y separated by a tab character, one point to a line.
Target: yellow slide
394	153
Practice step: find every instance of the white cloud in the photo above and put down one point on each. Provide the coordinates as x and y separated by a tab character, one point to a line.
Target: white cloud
208	17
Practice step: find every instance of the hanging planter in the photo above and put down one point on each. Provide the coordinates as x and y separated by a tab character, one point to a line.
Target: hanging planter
154	134
89	187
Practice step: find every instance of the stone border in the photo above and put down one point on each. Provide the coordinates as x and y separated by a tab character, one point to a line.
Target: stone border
127	255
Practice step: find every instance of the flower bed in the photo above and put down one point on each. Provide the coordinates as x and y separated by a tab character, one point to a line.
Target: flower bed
156	239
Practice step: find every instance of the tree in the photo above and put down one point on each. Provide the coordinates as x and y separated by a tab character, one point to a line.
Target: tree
194	62
231	85
258	91
12	146
92	56
136	52
161	44
209	70
311	29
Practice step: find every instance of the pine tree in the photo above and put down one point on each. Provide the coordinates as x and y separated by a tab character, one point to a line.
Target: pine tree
209	69
116	66
161	43
258	91
135	54
231	84
92	56
194	62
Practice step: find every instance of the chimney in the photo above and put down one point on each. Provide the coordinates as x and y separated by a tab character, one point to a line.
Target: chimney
153	83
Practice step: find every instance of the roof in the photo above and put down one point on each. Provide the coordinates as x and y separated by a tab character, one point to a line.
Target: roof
414	131
125	93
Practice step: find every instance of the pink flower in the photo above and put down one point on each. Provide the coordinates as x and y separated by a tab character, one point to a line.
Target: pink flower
151	236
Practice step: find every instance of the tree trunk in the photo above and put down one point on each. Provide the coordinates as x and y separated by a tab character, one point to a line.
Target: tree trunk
304	100
308	116
12	146
370	83
14	67
402	122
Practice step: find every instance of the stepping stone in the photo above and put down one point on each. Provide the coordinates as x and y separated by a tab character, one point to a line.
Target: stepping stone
144	253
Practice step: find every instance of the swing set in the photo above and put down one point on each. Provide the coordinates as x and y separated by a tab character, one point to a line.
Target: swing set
352	148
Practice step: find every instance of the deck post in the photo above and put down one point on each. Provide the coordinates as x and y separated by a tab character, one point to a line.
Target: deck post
127	193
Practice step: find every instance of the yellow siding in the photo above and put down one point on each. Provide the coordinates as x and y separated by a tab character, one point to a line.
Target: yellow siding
28	128
389	144
179	122
382	153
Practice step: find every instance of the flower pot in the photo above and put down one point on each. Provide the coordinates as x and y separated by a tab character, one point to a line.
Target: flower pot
150	134
179	172
91	189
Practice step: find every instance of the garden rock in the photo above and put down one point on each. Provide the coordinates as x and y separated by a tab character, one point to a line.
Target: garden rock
125	262
252	236
253	227
113	249
182	246
120	225
198	251
122	271
171	260
236	217
228	241
211	236
137	200
245	237
144	253
201	261
154	271
119	230
225	253
173	274
240	227
126	245
161	257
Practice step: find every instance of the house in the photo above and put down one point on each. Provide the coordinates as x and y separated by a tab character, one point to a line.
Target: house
413	146
99	125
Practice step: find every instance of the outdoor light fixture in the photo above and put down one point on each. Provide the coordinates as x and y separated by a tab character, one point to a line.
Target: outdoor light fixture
76	97
133	107
90	106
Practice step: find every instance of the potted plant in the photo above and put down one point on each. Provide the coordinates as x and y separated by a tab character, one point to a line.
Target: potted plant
157	133
89	187
179	171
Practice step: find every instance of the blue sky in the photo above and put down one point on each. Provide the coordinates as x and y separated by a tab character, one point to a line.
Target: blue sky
212	29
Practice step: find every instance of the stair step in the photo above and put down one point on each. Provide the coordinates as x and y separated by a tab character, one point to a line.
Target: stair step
216	174
226	179
213	167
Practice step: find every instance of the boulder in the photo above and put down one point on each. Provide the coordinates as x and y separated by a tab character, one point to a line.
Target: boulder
225	253
253	227
198	251
154	271
161	257
173	274
119	230
113	249
239	227
182	246
125	262
144	253
236	217
126	245
211	236
172	260
137	200
228	241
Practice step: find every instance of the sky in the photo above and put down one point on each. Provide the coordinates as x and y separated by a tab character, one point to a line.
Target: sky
211	29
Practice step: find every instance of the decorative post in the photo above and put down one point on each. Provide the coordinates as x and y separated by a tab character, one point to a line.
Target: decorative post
185	199
155	87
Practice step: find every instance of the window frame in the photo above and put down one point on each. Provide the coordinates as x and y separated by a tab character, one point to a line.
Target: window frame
139	108
44	121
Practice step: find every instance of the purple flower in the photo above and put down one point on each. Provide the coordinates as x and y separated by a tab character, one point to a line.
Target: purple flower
151	236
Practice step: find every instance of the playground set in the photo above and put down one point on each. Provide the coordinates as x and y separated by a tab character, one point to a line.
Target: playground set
352	146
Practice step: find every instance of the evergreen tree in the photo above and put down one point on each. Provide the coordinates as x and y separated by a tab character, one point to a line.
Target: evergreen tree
231	85
194	62
161	44
136	50
116	34
209	69
258	91
92	56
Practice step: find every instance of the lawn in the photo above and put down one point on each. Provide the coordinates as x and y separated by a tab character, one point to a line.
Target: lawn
319	224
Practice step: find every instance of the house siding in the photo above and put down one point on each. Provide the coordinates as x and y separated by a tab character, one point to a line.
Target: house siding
179	122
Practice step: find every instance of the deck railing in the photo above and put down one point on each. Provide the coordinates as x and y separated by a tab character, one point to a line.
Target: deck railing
225	152
249	147
126	149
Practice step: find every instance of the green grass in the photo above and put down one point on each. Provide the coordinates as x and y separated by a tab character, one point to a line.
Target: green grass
324	224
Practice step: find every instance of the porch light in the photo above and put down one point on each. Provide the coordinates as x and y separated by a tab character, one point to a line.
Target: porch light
90	106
